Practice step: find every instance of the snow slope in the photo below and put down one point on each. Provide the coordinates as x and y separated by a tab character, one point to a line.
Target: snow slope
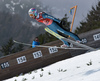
84	67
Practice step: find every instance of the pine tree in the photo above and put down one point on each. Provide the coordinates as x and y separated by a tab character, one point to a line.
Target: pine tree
45	38
9	48
19	48
92	20
65	23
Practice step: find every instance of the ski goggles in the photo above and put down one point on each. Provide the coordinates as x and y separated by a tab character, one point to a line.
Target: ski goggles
31	15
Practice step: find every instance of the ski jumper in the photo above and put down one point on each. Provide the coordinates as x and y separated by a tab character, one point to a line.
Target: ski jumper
53	27
35	43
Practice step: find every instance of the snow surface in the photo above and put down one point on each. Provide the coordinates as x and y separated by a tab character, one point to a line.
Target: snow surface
85	67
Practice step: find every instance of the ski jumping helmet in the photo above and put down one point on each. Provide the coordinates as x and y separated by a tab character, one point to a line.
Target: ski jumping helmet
32	12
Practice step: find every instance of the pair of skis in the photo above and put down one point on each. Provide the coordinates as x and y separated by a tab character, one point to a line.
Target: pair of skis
82	46
43	45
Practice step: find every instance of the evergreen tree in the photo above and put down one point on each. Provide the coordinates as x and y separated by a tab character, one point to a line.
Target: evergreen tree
9	48
19	48
45	38
92	20
65	23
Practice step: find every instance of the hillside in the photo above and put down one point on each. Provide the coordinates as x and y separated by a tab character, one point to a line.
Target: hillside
84	67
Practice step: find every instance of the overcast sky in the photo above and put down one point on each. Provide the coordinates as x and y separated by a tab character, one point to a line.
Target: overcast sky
61	7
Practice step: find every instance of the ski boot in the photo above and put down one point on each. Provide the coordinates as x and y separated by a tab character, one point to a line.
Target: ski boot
66	46
83	41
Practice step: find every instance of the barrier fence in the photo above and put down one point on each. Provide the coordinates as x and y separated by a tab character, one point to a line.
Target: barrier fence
93	40
31	59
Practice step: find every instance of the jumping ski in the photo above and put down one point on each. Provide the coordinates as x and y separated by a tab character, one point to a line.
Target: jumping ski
78	44
46	46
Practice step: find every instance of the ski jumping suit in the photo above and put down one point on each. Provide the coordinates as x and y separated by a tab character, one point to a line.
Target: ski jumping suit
53	27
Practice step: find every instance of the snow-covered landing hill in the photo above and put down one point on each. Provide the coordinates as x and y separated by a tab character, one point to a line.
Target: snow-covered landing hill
84	67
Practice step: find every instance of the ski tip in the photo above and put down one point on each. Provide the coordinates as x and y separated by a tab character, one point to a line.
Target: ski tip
14	41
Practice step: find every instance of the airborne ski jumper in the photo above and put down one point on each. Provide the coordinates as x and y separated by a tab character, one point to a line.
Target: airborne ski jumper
52	25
